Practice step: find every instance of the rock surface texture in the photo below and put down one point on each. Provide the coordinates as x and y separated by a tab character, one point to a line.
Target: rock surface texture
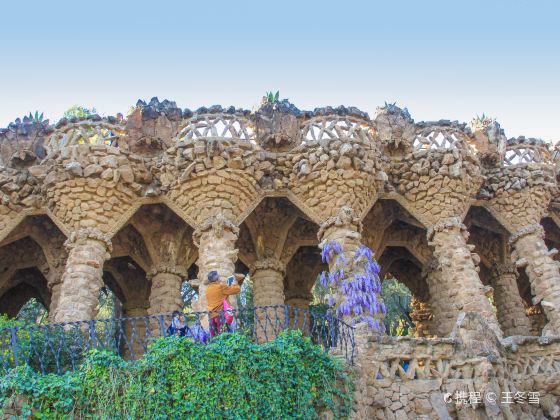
468	220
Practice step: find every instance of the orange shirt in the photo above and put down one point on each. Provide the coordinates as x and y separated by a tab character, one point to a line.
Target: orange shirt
216	293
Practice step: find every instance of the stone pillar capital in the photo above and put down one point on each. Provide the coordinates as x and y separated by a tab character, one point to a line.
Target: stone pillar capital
82	236
345	218
536	229
446	224
268	264
217	224
176	270
501	269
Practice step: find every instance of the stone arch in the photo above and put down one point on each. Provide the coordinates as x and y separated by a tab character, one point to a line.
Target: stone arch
23	261
25	284
489	240
269	239
551	233
160	243
388	223
129	283
400	263
301	275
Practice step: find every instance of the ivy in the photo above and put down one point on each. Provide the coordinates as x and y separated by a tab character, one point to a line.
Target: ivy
230	377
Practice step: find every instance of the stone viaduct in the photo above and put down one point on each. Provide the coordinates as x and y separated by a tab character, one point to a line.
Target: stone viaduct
456	212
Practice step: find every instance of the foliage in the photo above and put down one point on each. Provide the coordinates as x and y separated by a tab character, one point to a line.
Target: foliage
229	378
319	292
357	282
397	298
36	117
271	97
246	314
33	312
77	111
108	304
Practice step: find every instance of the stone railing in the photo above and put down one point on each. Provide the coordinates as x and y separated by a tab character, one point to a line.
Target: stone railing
220	125
336	127
88	131
441	135
438	376
522	151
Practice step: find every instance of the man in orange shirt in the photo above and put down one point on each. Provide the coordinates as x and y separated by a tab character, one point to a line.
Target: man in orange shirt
216	292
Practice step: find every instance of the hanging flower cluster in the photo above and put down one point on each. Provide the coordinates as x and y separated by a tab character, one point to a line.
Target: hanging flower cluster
357	283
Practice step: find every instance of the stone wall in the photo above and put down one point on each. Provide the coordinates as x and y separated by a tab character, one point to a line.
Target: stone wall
470	375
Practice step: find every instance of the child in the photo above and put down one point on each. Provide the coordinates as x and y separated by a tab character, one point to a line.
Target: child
178	325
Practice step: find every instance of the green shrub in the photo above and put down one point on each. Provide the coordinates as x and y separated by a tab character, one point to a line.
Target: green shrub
231	377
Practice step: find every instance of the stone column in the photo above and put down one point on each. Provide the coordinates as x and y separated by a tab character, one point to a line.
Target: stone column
531	252
422	317
215	239
344	228
83	275
165	293
55	298
134	330
459	278
442	303
511	312
268	290
298	307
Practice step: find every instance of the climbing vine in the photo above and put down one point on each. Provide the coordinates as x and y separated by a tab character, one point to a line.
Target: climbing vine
231	378
356	282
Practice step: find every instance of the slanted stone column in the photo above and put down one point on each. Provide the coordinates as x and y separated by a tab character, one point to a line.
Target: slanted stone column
268	290
82	278
531	252
511	312
344	228
441	299
459	278
165	293
215	239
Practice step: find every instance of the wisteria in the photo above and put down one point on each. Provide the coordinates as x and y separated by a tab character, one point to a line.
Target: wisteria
356	283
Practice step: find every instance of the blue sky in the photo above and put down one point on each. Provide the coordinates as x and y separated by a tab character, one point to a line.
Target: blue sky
441	59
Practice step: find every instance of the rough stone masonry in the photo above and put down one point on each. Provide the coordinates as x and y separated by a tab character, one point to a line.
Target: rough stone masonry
458	213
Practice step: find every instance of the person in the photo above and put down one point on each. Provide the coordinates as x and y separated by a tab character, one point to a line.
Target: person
178	325
216	292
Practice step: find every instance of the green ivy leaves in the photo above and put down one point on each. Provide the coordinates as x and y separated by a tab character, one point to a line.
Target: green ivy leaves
230	378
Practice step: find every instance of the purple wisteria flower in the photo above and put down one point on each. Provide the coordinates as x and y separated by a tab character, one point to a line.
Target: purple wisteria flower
357	282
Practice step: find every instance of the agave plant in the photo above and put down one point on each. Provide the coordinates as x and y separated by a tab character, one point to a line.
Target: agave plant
271	97
36	117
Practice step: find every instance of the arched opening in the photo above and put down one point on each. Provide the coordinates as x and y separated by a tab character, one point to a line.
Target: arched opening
405	293
157	242
402	250
496	271
279	232
25	284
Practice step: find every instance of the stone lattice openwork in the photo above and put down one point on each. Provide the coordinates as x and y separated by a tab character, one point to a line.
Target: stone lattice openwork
85	132
333	127
227	126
